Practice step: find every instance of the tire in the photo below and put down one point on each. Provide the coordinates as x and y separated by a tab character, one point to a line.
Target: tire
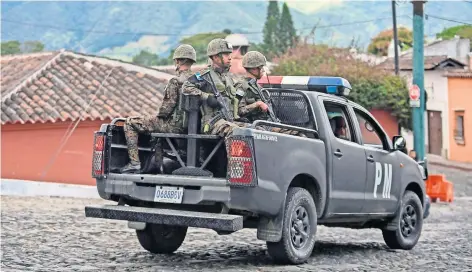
299	201
409	226
161	239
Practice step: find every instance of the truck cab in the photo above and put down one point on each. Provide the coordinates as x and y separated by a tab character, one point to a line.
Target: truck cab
346	172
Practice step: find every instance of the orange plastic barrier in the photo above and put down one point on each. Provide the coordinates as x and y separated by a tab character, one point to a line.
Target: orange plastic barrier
437	187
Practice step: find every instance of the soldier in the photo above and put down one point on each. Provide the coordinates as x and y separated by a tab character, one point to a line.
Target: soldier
170	116
251	106
214	120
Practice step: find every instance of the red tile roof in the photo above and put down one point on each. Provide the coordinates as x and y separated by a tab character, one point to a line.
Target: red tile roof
61	86
461	73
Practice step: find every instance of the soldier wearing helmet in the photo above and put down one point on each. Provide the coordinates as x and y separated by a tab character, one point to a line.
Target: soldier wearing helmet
213	121
169	118
251	106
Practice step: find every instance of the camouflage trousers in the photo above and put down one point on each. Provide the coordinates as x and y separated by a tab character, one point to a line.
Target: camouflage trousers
225	129
145	124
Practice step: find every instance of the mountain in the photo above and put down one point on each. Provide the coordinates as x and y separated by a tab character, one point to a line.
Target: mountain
122	29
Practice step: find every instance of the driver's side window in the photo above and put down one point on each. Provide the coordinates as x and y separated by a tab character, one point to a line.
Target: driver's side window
371	135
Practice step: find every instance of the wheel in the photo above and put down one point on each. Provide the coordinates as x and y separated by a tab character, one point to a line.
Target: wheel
410	224
298	231
159	239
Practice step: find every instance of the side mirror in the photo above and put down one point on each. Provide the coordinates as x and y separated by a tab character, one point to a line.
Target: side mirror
399	143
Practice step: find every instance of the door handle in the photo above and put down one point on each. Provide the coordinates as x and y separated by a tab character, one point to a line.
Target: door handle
338	153
370	158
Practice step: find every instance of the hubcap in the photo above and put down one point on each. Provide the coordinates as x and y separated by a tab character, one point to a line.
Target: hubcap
300	227
409	220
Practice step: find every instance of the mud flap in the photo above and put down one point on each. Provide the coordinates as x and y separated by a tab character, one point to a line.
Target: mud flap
270	228
395	222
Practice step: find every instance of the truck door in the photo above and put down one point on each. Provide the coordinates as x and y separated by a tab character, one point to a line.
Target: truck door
383	171
348	161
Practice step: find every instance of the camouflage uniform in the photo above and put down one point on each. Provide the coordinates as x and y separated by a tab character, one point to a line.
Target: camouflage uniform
248	107
170	118
213	121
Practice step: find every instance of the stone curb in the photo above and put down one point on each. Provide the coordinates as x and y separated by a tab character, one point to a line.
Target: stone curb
14	187
449	165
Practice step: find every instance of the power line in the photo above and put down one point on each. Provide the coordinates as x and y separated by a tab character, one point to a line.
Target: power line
447	19
175	34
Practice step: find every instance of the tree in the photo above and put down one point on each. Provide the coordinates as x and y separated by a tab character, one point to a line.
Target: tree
146	58
372	88
463	31
287	35
10	47
227	31
380	43
200	43
271	27
32	47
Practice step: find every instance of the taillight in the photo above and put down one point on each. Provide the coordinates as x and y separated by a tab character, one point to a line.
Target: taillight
241	166
98	161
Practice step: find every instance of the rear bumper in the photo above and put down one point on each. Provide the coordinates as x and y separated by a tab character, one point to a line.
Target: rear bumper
222	222
198	190
142	187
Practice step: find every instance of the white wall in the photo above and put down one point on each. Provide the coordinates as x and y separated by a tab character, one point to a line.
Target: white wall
436	87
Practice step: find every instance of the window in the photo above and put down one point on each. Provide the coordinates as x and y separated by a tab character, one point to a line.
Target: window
459	127
371	134
339	121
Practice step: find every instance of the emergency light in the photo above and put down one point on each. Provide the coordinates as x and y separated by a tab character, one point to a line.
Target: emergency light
324	84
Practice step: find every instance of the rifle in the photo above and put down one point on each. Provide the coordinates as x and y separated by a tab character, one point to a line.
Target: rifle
267	101
221	100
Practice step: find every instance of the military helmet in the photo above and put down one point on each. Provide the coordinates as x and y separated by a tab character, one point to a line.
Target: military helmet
254	59
185	51
218	46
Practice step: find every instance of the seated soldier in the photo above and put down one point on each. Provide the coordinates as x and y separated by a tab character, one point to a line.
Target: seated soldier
215	119
251	105
170	116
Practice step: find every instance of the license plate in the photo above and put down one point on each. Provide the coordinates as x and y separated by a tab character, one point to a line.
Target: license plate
169	194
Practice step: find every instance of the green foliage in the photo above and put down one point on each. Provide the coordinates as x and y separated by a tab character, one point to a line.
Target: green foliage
147	58
10	47
200	43
15	47
32	47
271	27
463	31
287	35
380	43
371	87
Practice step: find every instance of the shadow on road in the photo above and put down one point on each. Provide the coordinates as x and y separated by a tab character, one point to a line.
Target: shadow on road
254	255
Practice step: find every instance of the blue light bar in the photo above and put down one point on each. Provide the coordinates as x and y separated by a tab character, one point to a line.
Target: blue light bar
333	85
323	84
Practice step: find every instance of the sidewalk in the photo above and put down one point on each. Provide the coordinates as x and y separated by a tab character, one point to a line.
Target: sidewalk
13	187
438	160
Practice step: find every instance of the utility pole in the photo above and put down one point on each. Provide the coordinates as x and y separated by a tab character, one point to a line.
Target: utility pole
418	77
395	36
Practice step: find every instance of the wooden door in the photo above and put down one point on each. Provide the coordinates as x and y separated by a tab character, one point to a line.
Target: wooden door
435	132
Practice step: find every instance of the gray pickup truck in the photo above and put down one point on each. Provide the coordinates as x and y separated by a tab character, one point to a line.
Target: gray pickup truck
345	173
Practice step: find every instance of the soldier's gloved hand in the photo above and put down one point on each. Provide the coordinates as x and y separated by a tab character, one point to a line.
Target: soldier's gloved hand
212	102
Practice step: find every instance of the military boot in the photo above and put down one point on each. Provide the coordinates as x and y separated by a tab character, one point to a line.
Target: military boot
131	167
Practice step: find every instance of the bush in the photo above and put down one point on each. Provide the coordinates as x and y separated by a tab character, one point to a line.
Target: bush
372	88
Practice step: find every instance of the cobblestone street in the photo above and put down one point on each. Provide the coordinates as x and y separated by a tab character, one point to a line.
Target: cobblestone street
52	234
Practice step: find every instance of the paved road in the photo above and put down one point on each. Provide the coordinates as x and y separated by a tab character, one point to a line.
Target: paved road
52	234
